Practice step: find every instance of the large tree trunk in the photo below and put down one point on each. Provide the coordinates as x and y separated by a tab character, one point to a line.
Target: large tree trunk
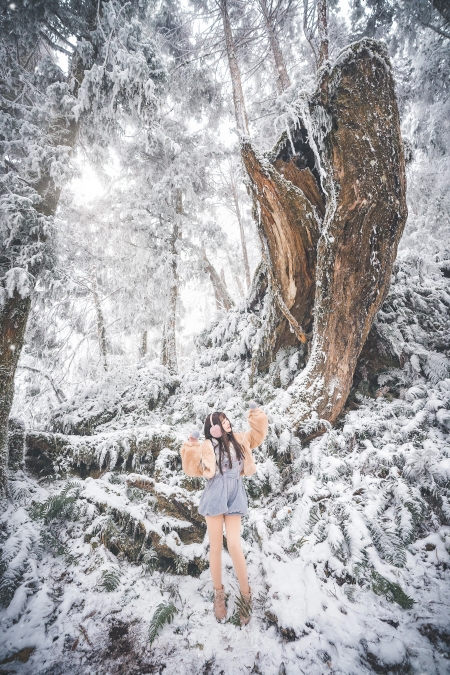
14	314
348	157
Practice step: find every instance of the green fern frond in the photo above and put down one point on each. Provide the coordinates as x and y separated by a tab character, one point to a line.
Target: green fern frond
388	544
181	565
392	592
243	610
110	580
150	561
235	619
114	478
70	485
54	545
62	506
164	613
296	546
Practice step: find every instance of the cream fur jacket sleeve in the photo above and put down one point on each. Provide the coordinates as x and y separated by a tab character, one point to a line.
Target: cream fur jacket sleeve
198	459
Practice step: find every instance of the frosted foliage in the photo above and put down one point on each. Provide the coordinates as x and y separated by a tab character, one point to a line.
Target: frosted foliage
357	518
347	540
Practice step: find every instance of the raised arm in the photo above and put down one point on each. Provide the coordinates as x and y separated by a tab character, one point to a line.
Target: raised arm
198	459
191	458
259	425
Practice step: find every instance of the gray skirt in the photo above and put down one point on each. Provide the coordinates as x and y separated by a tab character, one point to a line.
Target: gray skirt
224	494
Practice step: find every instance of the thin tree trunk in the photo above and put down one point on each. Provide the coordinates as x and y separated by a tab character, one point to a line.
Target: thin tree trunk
237	281
241	229
101	329
223	298
60	395
144	346
169	345
282	77
238	94
322	29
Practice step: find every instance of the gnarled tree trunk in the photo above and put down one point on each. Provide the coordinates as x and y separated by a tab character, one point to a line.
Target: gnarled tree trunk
331	208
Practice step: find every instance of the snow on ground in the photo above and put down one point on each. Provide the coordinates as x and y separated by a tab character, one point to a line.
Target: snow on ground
347	539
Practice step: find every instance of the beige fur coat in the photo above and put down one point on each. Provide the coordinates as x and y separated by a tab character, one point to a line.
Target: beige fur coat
199	459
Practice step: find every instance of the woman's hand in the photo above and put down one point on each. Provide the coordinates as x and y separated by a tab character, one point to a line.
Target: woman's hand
195	435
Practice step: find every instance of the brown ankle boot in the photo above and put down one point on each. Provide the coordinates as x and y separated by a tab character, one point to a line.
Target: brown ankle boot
220	610
244	604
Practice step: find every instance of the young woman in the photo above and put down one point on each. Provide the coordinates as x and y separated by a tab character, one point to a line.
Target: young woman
223	458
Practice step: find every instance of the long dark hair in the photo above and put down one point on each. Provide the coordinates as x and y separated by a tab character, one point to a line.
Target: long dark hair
224	440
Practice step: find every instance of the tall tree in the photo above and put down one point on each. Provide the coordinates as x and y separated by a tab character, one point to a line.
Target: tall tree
41	112
38	132
270	10
330	203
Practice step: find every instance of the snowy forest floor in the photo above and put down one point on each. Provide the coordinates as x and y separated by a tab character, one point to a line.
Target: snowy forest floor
347	539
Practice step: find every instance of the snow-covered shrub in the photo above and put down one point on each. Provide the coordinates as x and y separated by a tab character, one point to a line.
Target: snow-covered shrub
131	392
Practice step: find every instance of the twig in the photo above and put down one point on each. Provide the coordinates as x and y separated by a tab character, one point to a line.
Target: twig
84	631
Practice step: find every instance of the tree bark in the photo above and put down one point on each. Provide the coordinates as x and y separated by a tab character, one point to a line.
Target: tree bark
289	225
331	208
282	77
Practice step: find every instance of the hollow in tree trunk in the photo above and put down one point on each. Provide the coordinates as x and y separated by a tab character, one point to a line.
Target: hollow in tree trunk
331	207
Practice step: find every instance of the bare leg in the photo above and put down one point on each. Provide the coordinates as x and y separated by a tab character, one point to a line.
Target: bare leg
215	533
233	530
